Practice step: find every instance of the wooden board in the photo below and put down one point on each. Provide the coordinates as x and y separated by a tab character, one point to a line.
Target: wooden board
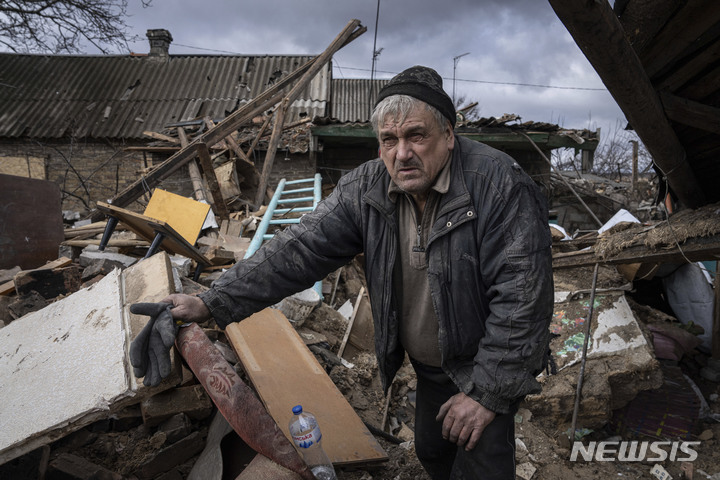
9	287
285	373
31	225
185	215
147	227
360	334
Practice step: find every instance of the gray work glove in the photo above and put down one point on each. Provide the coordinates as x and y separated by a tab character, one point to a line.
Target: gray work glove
150	351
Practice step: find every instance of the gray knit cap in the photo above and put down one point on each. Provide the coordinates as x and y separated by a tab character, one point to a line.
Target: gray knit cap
422	83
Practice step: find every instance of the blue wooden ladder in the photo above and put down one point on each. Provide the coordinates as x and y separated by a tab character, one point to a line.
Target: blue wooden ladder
273	214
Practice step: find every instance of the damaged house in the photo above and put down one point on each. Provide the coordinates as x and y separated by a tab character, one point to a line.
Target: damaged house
627	336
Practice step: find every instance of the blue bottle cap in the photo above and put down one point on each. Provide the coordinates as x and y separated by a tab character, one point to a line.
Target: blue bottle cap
297	409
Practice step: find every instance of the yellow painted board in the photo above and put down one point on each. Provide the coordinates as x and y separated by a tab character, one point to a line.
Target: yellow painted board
285	373
185	215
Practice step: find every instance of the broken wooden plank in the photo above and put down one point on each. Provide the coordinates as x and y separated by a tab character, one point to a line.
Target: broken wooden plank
690	113
360	333
285	373
206	162
193	170
49	283
160	136
693	249
350	30
9	287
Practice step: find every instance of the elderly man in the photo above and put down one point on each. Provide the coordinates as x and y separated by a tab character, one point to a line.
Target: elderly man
458	267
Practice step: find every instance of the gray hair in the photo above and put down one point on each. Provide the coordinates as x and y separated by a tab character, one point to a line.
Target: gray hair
399	107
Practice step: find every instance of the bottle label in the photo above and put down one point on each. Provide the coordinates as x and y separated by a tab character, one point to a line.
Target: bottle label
308	439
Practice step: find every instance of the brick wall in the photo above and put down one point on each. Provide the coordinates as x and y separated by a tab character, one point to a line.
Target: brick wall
87	172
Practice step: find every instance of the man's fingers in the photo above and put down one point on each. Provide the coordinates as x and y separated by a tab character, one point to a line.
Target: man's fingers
474	438
456	433
444	408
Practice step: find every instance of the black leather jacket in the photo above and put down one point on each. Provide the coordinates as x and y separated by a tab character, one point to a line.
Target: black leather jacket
489	267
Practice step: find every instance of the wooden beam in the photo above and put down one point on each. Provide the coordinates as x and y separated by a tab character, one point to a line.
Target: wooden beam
694	64
9	287
195	178
598	33
207	166
694	250
230	142
679	34
160	136
643	19
352	29
693	114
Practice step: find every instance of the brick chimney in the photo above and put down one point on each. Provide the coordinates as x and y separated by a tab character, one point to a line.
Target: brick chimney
160	40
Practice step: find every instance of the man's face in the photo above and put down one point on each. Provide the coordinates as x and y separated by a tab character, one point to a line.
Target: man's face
415	151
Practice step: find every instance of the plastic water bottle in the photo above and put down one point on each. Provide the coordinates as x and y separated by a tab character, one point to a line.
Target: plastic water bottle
306	435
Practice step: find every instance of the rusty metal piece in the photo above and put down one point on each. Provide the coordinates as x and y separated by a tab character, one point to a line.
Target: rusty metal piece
237	402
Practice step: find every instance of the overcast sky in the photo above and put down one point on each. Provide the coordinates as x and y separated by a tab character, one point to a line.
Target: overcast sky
511	44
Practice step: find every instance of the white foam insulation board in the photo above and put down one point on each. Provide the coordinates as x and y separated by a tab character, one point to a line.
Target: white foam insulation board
66	366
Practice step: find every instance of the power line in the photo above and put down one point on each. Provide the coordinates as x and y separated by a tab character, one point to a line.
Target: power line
517	84
498	83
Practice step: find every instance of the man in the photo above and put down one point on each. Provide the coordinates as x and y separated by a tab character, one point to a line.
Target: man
458	267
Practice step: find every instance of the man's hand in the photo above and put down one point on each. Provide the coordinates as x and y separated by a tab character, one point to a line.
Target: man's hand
150	350
187	308
464	420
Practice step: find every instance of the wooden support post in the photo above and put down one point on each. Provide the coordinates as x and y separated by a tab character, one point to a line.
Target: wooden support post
599	34
260	133
634	162
198	188
352	29
204	155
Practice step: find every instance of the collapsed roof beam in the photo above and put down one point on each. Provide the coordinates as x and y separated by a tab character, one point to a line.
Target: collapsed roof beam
597	31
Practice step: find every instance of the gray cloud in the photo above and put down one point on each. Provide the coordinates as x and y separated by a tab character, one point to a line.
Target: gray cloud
510	42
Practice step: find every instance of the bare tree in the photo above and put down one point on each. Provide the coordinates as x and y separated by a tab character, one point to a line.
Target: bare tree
62	26
612	158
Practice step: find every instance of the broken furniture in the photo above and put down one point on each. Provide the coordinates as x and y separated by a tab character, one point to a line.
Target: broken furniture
187	217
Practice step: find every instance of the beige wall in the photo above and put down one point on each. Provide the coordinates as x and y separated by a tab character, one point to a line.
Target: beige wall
25	166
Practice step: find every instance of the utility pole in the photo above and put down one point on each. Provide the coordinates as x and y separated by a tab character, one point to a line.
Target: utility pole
455	62
634	163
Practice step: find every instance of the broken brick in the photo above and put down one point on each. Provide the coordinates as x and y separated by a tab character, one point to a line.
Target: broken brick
71	467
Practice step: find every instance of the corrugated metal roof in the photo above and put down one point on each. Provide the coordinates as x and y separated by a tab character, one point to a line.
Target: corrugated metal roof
49	96
353	99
